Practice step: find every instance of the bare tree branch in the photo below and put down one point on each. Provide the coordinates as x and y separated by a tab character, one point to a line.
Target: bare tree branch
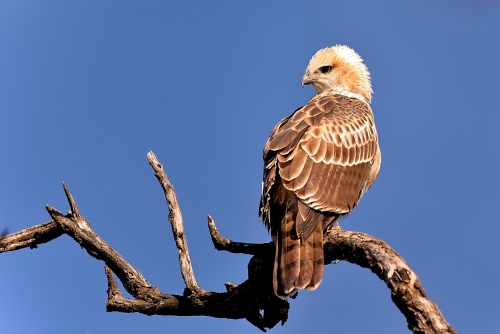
227	245
79	229
175	218
422	315
245	300
30	237
241	301
72	205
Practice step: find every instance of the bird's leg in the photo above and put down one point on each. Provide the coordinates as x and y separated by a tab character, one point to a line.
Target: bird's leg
334	226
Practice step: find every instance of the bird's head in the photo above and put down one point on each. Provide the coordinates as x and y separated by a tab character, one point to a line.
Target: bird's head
339	68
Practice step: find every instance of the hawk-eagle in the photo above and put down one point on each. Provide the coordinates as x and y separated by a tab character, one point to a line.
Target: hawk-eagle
318	162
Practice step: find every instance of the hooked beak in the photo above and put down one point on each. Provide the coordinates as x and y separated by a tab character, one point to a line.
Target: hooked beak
306	80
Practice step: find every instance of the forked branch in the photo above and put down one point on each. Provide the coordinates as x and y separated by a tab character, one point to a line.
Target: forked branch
245	300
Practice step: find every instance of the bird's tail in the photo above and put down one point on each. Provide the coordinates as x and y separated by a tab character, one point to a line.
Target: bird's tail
298	262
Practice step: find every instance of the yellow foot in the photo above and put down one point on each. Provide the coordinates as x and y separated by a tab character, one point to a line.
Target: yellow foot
335	226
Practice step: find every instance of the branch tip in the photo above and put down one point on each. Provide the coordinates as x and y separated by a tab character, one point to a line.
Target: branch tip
153	161
71	201
219	241
52	211
177	224
113	290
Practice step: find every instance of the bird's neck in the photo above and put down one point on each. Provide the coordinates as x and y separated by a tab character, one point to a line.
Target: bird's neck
340	91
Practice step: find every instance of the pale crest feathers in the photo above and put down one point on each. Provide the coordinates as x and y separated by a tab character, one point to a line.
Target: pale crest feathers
355	75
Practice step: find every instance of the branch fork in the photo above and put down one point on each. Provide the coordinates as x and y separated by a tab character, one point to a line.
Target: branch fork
254	299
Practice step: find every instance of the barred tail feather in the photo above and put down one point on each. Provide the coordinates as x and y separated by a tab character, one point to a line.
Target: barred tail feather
306	264
317	258
287	259
298	261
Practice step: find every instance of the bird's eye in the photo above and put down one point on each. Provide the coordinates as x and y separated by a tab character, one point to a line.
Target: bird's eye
325	69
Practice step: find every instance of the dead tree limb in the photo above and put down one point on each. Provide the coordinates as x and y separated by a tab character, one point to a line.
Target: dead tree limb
30	237
422	315
227	245
175	218
245	300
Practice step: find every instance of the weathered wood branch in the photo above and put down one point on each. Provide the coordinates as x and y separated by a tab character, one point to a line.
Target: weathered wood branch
80	230
245	300
227	245
175	218
422	315
30	237
240	301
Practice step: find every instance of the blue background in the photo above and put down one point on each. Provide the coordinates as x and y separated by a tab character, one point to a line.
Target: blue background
87	88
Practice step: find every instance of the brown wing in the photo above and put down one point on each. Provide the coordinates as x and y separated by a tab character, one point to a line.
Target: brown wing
323	153
318	163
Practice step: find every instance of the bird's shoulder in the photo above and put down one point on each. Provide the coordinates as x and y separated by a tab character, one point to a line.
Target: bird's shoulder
329	116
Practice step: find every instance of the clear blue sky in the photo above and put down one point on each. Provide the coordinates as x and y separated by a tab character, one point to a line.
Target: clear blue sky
87	88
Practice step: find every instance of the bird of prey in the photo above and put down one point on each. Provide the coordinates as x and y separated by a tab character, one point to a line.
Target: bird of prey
318	162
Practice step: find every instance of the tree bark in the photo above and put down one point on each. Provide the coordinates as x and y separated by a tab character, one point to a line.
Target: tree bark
242	301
